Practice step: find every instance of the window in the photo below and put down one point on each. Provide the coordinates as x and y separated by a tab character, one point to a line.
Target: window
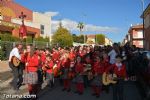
42	29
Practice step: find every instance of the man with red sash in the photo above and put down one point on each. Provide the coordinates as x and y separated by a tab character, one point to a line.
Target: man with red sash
120	70
88	67
106	64
98	70
48	67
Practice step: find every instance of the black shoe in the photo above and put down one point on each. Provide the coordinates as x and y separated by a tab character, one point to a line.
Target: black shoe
107	91
76	92
80	93
52	84
93	94
63	89
68	90
97	96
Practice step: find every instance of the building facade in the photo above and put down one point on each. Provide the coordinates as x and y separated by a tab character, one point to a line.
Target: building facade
146	17
126	39
37	24
136	35
91	39
108	41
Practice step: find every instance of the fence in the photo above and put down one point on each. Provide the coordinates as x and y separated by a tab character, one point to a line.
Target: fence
6	47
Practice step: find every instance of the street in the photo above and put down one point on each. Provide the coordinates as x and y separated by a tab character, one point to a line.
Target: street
130	93
56	93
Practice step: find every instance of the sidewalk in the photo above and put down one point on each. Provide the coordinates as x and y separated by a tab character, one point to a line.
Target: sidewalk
5	78
4	66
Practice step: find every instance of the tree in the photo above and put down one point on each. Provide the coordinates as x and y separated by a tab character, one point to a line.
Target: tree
74	36
78	38
80	26
62	37
100	39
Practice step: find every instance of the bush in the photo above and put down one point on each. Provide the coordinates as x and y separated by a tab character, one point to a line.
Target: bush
8	37
41	39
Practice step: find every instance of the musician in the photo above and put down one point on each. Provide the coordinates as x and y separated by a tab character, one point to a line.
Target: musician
17	71
55	55
40	72
47	52
79	69
48	67
120	70
88	66
65	65
81	52
72	57
72	54
31	75
106	64
42	59
113	53
42	55
98	70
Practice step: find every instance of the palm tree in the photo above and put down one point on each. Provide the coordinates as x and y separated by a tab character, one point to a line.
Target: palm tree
80	26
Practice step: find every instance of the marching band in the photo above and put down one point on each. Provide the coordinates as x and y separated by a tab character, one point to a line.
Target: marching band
82	65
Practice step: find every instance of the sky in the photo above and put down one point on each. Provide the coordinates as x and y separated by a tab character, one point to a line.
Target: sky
110	17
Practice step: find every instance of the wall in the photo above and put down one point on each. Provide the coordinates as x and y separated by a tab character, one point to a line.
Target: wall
108	42
42	19
138	34
147	32
147	21
147	38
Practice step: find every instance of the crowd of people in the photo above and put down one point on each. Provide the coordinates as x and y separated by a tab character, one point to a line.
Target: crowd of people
80	65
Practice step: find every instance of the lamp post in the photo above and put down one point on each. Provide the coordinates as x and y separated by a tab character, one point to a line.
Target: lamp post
22	30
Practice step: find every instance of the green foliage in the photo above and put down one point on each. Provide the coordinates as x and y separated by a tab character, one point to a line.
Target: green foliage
29	39
79	38
74	36
46	39
5	48
100	39
80	26
8	37
1	53
62	37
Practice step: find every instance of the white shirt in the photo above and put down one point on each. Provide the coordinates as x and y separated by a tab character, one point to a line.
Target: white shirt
14	52
112	55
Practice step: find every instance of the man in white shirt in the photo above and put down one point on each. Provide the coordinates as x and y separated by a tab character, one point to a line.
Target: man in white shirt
16	70
112	54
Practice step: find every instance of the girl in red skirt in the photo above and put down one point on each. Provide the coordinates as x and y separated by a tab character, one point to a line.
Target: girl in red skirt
79	69
31	66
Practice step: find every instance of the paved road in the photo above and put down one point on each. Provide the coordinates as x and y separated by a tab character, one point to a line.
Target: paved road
130	93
